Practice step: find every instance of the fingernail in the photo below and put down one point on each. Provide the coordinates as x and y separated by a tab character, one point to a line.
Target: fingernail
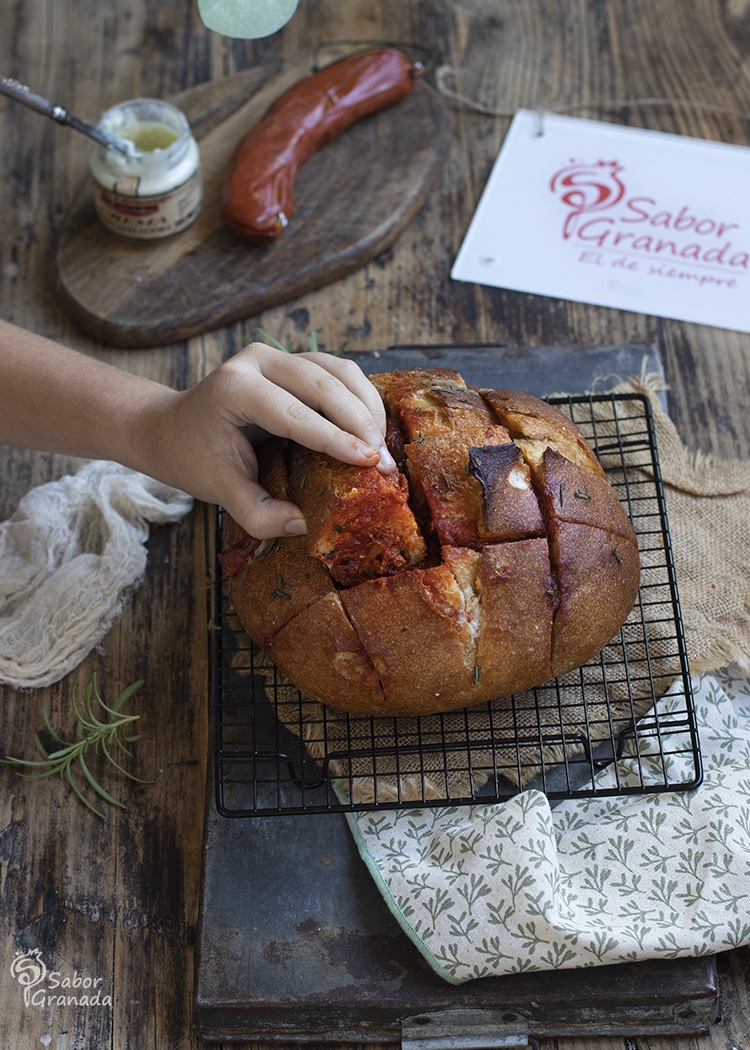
296	527
386	459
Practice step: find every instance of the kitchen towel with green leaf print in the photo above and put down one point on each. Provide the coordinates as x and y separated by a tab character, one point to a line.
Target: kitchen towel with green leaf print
506	887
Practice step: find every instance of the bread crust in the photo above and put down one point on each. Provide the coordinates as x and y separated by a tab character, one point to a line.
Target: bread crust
359	522
497	557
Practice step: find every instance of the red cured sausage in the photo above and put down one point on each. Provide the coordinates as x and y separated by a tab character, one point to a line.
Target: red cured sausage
257	201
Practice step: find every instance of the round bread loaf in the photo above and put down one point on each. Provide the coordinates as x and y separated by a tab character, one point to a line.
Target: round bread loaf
495	559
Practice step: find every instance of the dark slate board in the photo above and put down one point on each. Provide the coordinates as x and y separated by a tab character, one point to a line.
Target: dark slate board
296	943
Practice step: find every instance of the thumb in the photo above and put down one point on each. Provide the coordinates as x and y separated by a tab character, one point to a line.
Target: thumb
236	487
262	516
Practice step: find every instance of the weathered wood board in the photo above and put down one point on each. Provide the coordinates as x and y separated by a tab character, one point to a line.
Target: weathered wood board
353	198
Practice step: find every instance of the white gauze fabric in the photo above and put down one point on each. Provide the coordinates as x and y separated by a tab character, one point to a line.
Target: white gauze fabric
69	557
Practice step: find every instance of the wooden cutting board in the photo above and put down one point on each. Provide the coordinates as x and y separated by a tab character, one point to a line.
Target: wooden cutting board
353	199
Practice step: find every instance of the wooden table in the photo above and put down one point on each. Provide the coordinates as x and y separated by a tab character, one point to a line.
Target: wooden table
117	899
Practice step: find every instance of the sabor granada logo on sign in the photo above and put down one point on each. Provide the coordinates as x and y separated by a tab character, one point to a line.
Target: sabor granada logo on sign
634	231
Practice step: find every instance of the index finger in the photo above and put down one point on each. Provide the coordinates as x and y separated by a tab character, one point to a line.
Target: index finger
328	403
351	375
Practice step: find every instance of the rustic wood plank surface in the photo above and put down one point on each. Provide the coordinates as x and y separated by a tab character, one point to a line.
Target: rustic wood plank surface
116	900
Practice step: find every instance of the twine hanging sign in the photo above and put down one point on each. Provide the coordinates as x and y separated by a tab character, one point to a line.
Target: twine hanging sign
616	216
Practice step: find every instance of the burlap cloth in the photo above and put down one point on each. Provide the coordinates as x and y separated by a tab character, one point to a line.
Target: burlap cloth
708	506
708	511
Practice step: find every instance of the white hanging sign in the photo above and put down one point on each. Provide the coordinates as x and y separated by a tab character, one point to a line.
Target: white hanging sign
616	216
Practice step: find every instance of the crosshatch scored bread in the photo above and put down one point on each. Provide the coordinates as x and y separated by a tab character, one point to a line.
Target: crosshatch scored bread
495	559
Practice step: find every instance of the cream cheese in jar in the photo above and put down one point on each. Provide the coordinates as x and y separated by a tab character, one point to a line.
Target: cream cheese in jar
158	191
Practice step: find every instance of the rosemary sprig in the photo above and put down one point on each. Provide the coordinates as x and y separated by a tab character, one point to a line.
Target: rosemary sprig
313	337
272	341
108	737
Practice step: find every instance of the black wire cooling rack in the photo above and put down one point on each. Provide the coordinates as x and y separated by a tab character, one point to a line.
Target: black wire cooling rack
623	724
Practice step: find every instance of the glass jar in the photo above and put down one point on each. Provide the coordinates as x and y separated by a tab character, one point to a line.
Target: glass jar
158	191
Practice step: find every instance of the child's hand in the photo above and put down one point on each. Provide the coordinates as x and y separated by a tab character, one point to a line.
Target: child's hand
200	440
